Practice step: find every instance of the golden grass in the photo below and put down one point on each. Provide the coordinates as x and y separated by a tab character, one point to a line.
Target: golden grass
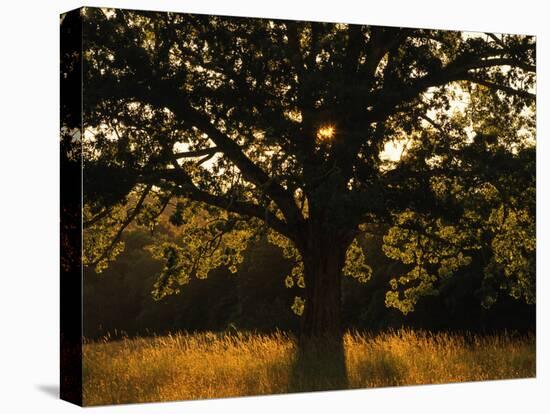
208	365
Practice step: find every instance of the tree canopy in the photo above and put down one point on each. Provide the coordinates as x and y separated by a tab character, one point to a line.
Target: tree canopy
312	134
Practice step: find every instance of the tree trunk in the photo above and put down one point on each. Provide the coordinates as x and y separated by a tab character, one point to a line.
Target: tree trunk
323	274
320	363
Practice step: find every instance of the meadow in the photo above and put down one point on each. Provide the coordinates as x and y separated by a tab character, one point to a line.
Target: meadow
184	366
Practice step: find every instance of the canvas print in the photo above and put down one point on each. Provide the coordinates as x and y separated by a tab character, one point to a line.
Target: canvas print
258	206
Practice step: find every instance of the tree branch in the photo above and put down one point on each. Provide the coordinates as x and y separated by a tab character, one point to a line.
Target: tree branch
497	40
294	48
196	153
233	151
355	37
129	218
504	88
486	63
389	100
166	94
190	190
104	213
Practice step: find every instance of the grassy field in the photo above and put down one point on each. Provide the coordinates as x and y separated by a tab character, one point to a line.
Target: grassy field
208	365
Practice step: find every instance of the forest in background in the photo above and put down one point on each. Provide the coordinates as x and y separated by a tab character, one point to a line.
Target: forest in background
118	301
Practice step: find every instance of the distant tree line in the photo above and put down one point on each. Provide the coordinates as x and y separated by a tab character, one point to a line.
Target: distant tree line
119	301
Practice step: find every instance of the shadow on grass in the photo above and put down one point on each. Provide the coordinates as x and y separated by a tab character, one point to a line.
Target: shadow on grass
319	365
381	370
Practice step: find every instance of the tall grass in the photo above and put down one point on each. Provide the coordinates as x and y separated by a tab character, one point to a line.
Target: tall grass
208	365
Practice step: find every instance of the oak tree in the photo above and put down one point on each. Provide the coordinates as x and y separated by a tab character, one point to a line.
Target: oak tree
312	134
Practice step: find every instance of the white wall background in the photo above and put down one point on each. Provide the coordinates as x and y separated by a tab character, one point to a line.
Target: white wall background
30	192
